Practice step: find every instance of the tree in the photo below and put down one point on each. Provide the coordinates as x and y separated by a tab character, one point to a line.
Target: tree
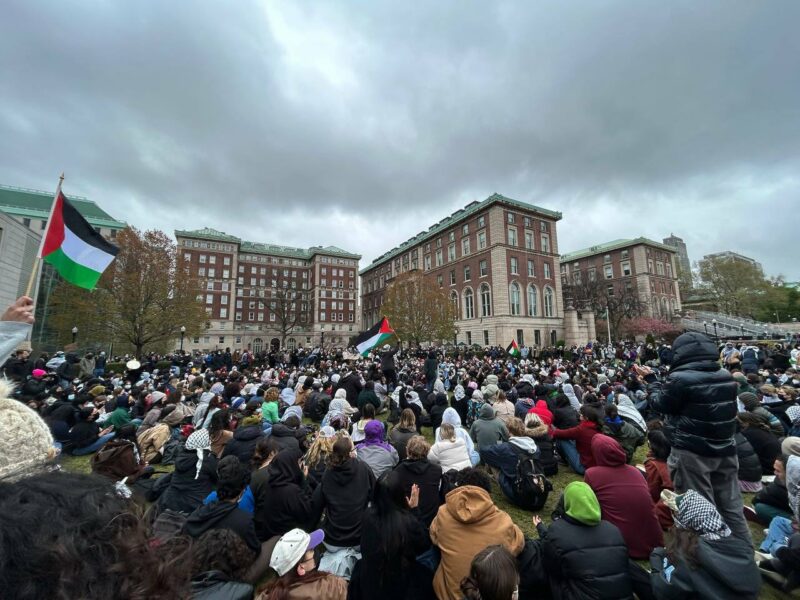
141	301
418	311
737	287
649	326
611	302
286	311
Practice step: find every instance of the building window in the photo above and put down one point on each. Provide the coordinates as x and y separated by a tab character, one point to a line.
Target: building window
454	301
533	301
467	273
531	268
608	271
545	243
452	236
610	289
439	280
514	299
526	221
481	240
203	259
481	222
543	226
453	277
427	262
514	265
439	257
537	337
483	269
549	304
465	229
592	274
512	236
624	254
469	304
626	268
607	258
201	271
451	253
546	269
469	338
486	300
529	241
510	217
464	246
576	277
485	337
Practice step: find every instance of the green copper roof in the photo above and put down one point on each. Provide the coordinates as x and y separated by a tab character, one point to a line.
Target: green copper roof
614	245
35	204
271	249
468	210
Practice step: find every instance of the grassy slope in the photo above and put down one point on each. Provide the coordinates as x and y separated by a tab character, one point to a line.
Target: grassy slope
521	517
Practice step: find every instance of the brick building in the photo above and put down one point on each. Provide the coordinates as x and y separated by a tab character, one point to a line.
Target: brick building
253	291
640	265
498	262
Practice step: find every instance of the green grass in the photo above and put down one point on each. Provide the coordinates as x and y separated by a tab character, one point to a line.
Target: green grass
81	464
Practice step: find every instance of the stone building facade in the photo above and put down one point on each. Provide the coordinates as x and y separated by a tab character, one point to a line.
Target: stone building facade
248	286
640	265
498	262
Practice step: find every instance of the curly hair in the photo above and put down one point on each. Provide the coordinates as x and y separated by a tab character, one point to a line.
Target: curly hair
222	550
272	394
320	448
86	546
417	448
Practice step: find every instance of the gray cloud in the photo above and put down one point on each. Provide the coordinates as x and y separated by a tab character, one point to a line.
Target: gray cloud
306	123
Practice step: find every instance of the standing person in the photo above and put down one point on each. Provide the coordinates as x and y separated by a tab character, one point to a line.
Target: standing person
431	367
387	365
698	401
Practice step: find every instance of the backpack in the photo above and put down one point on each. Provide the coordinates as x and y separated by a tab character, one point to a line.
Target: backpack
115	460
531	487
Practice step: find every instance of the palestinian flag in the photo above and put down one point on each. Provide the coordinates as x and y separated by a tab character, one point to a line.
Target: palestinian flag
73	247
375	336
513	349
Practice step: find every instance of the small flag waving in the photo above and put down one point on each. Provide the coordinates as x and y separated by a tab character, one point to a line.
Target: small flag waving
73	247
375	336
513	349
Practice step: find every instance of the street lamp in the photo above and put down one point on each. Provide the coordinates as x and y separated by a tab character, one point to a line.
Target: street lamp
741	328
74	334
777	318
705	325
716	337
183	332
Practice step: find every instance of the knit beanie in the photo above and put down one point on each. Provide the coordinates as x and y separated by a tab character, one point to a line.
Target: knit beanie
790	446
25	440
749	400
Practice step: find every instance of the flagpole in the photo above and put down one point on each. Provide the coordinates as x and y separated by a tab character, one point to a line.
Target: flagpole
37	261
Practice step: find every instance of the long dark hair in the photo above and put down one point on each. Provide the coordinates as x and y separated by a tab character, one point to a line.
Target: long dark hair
683	545
492	575
391	516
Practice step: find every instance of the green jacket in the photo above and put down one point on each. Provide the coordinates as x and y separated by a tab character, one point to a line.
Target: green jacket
119	418
269	410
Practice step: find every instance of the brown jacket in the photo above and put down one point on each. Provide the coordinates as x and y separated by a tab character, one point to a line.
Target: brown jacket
152	440
329	587
219	440
467	523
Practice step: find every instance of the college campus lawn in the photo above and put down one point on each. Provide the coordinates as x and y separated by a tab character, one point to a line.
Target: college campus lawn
521	517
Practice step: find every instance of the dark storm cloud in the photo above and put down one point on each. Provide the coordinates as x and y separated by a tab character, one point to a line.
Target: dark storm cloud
631	118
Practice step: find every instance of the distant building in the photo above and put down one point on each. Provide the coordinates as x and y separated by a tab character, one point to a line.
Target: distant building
247	286
684	264
498	262
18	247
637	265
734	256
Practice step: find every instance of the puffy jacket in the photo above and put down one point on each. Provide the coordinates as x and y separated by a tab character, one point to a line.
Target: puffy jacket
288	438
243	443
774	494
749	465
547	458
505	457
697	399
766	446
586	561
451	456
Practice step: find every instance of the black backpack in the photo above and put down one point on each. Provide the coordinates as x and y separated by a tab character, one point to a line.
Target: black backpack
531	487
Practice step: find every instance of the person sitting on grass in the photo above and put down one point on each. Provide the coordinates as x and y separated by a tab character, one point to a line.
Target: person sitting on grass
773	500
221	561
488	430
367	415
657	474
417	470
540	434
86	436
402	432
449	452
492	575
452	417
580	456
628	436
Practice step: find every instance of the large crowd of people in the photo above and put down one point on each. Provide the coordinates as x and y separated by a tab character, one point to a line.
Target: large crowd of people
324	474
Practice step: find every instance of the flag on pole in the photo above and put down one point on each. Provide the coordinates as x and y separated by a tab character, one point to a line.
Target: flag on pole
513	349
375	336
73	247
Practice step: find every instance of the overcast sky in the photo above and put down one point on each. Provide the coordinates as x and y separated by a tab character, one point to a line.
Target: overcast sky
359	124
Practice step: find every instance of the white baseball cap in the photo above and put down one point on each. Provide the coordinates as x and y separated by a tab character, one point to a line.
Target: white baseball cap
291	548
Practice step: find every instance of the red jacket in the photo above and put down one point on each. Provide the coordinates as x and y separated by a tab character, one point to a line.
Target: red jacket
624	497
544	413
658	479
582	434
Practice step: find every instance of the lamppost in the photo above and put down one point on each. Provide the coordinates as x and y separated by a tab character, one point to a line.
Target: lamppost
777	318
741	328
716	337
74	333
183	332
705	325
322	342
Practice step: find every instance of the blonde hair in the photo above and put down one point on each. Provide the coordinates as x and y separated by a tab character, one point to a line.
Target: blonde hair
532	420
516	427
417	448
272	394
447	432
407	419
319	450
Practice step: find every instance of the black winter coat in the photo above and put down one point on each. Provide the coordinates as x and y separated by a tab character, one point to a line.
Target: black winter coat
565	417
547	458
214	585
749	465
437	410
351	384
288	503
344	494
223	515
428	477
766	446
697	399
288	438
586	562
243	443
185	493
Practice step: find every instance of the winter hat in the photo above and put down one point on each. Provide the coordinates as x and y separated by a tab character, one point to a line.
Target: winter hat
749	400
327	432
199	441
97	390
308	382
477	395
237	403
580	503
38	373
291	548
25	440
790	446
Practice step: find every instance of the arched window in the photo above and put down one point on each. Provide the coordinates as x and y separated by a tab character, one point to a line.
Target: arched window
549	304
291	343
514	298
454	301
469	304
486	300
258	345
533	301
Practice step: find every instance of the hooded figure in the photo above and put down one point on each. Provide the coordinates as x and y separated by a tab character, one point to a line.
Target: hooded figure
379	455
194	476
467	523
584	556
569	392
288	503
488	430
718	566
452	417
339	406
624	497
506	457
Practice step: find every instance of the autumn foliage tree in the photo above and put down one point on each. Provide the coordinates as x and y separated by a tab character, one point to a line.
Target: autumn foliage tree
614	303
140	302
418	311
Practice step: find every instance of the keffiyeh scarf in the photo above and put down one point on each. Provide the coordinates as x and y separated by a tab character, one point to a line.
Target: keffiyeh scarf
699	515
